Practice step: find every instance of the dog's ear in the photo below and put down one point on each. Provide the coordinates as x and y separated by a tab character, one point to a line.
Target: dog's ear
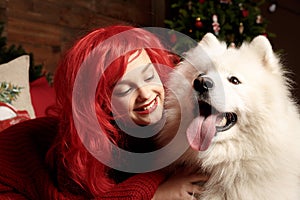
209	40
262	46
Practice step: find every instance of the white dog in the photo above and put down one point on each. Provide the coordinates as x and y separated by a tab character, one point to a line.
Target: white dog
234	107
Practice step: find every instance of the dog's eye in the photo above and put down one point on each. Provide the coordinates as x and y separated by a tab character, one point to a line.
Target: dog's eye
234	80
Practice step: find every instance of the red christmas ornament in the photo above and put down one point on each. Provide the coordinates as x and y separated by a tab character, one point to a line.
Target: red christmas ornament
201	1
198	23
245	13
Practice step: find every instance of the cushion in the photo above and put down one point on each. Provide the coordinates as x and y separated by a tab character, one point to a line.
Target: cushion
9	116
42	96
17	73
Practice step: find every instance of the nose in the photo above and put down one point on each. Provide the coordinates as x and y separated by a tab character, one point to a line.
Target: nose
203	84
143	94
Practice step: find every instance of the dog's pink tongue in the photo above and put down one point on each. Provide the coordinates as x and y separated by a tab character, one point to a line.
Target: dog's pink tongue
201	132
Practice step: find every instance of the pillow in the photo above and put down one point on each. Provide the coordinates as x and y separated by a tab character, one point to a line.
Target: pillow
42	96
17	73
9	116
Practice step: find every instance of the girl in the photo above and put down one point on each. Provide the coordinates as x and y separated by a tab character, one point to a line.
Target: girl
110	95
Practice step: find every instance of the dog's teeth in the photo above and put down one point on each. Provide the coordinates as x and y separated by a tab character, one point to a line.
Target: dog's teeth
223	121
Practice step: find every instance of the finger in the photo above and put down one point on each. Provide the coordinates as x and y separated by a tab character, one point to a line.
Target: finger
199	178
193	196
195	189
190	196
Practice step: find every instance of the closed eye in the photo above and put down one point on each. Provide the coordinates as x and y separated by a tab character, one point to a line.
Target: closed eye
150	78
122	93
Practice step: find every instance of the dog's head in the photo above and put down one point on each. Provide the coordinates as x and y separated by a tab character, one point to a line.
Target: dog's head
215	90
214	117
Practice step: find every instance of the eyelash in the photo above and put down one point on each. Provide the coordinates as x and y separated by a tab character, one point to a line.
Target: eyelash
150	78
129	89
124	93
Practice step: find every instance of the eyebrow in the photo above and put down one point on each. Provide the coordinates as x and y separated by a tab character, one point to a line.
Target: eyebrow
146	67
143	71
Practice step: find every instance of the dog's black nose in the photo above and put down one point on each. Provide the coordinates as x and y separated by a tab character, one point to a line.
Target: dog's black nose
203	84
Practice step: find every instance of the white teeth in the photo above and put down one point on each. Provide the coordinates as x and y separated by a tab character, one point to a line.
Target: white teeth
149	106
223	122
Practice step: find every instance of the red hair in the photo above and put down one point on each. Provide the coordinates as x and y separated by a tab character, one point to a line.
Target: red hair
68	152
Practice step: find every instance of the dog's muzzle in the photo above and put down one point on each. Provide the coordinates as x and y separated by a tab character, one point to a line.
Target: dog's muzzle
203	85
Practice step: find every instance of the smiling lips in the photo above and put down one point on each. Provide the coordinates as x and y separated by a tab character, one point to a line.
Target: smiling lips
147	108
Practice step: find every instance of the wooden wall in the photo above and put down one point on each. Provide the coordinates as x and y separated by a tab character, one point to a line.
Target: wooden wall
47	28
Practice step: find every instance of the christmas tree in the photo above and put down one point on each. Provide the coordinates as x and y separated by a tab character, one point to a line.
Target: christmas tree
233	21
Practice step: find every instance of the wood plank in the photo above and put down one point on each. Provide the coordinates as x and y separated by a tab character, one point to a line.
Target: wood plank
49	17
3	11
60	13
3	4
135	11
158	9
50	27
3	16
90	5
33	32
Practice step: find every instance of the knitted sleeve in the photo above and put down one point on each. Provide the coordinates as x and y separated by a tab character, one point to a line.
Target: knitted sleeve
7	193
23	174
138	187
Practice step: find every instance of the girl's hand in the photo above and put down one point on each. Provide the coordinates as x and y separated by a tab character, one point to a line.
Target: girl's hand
180	187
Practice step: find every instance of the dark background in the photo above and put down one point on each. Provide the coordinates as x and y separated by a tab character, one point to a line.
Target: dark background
47	28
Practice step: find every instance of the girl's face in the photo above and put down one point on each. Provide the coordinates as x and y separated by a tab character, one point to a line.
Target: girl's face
139	95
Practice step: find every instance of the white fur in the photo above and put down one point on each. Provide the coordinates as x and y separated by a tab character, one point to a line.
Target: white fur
258	158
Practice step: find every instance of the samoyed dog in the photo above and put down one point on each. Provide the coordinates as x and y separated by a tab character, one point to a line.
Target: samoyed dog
234	109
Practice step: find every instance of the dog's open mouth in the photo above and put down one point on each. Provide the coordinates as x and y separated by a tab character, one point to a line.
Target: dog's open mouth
207	125
224	120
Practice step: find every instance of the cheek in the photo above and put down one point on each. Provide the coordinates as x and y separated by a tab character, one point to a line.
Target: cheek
121	105
159	88
162	94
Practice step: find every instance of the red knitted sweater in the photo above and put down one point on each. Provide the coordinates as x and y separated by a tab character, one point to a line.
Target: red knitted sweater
24	174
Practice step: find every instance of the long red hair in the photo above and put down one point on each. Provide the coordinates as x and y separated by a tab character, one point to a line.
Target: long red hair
69	153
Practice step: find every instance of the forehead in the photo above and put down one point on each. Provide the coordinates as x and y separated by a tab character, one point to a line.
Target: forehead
137	60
